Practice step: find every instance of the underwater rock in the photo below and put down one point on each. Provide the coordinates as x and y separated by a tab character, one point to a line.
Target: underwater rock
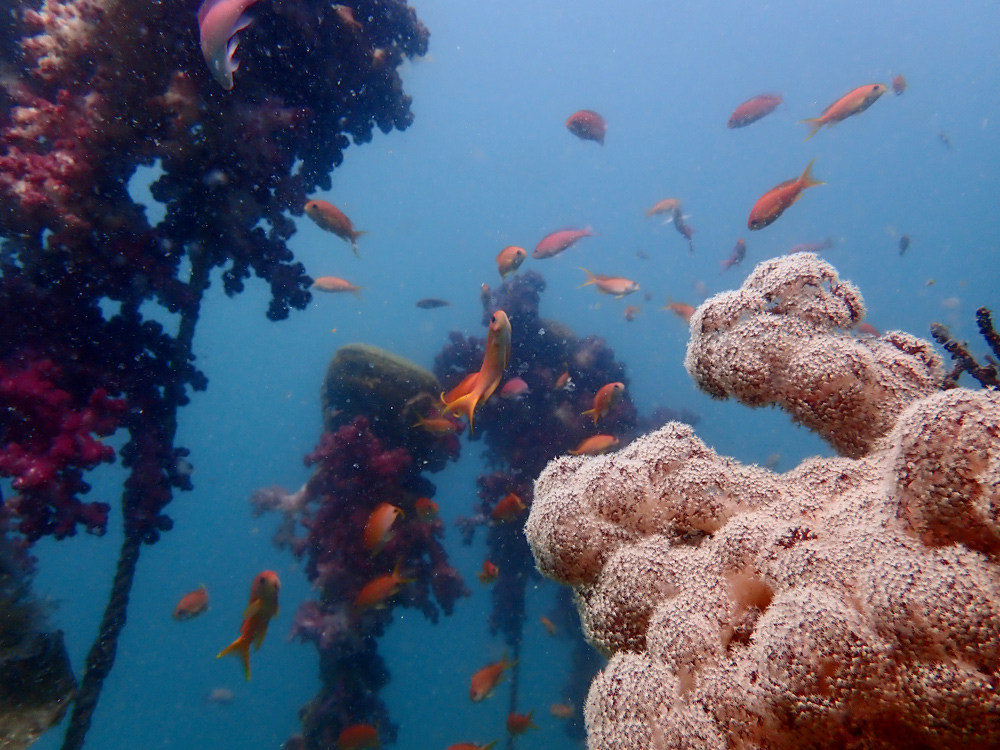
387	388
36	681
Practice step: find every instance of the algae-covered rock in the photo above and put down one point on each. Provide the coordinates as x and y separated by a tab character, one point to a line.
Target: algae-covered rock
36	681
393	393
380	385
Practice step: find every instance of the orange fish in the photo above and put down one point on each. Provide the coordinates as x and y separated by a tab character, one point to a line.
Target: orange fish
426	508
377	590
437	425
682	310
477	387
775	201
606	399
346	16
378	530
471	746
561	710
334	285
631	312
520	723
514	388
549	626
615	285
595	445
358	737
587	125
898	85
219	22
488	574
563	381
327	216
192	604
753	109
670	206
508	508
866	328
552	244
510	259
850	104
263	606
486	679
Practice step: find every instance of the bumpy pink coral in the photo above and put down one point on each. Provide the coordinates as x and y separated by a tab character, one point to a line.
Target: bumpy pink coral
848	603
852	602
785	338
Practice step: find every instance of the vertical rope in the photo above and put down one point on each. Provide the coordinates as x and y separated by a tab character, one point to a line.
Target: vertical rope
515	681
101	657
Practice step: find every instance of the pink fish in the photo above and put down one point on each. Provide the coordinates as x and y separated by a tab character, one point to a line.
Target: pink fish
219	21
514	389
553	244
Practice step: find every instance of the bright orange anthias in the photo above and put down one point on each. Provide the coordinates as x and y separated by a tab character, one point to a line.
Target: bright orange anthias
327	216
606	399
595	445
486	679
682	310
775	201
509	508
520	723
427	509
853	103
437	425
378	531
477	387
510	259
377	590
617	286
358	737
263	606
488	574
192	604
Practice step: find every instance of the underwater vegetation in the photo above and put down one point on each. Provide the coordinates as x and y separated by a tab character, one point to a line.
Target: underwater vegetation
93	90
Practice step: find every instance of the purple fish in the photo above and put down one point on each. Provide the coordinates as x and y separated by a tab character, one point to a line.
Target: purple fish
219	21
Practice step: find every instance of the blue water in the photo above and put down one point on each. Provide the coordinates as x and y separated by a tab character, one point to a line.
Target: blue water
487	163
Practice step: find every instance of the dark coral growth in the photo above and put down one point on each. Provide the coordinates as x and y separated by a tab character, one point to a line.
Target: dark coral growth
986	374
523	434
95	90
355	470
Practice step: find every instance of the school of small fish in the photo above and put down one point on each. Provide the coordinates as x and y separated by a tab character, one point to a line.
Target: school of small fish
219	23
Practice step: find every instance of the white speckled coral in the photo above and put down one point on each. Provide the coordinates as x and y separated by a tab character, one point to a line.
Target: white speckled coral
851	602
785	338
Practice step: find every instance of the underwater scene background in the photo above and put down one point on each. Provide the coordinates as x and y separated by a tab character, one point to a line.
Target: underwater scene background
488	162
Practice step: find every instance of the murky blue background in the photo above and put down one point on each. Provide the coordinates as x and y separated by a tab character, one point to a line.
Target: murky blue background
487	163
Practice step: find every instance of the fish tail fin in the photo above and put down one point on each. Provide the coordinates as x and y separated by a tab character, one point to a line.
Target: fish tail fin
815	123
464	405
354	240
589	229
590	411
807	180
591	279
240	647
356	291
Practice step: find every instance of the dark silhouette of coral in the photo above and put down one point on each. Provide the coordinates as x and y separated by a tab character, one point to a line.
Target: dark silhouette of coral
95	90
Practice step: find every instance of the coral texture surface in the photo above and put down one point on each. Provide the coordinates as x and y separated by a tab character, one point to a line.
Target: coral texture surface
851	602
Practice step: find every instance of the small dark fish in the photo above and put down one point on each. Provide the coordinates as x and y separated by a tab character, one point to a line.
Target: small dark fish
904	243
642	254
945	140
739	253
898	85
431	303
